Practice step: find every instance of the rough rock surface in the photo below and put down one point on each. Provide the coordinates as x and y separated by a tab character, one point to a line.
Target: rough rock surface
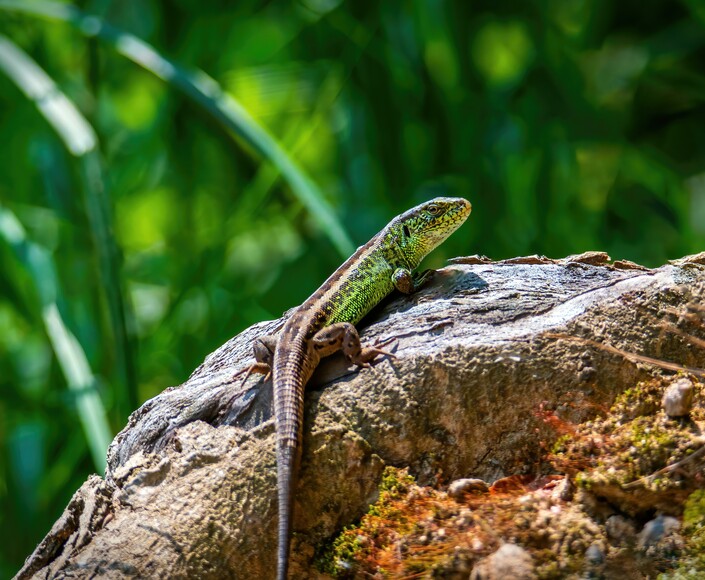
190	486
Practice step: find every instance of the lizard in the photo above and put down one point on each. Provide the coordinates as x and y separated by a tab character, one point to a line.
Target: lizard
324	324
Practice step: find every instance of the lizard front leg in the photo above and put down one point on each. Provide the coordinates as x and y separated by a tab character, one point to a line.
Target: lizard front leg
407	282
263	348
343	336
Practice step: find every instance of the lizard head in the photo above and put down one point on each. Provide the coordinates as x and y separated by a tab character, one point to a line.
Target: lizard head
424	227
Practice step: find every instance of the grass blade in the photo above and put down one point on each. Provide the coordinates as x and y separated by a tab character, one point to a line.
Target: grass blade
81	141
205	91
72	359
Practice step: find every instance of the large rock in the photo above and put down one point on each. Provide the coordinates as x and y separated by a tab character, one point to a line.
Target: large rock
482	352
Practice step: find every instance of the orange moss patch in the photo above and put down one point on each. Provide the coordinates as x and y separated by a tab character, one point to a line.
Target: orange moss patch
621	463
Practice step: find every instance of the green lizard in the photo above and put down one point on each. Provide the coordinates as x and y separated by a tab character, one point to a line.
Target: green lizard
324	324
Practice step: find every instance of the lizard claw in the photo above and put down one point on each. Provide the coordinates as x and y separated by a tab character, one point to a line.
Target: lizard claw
385	342
258	367
376	347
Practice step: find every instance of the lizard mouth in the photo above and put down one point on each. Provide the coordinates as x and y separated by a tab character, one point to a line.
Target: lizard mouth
459	212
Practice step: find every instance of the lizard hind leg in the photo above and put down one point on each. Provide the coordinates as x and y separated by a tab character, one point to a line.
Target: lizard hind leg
343	336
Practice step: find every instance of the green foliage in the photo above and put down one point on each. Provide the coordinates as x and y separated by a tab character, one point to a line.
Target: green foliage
395	483
191	168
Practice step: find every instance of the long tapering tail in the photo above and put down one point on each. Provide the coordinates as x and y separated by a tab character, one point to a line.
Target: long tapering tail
286	475
289	381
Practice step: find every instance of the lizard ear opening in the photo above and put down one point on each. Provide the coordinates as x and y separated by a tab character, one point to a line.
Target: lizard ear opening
407	233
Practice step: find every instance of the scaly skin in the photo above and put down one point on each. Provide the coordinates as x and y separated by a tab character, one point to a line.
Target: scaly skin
323	324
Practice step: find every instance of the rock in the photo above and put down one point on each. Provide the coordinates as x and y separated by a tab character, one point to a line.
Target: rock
510	561
460	487
477	544
595	555
199	460
564	490
656	529
620	529
678	398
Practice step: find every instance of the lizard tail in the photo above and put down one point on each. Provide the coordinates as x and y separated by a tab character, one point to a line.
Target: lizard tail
286	467
289	381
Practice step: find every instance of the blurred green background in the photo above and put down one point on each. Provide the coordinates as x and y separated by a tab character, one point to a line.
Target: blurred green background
193	167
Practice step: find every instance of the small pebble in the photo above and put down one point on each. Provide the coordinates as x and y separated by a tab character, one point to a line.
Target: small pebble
656	529
678	398
460	487
595	554
619	528
564	490
510	561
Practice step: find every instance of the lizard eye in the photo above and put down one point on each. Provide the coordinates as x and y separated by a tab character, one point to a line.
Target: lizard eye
434	209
